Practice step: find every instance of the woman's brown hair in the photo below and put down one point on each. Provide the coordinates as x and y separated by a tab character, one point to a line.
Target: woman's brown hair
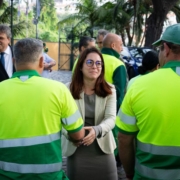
102	88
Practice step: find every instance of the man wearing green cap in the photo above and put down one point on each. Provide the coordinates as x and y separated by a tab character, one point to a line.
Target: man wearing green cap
149	117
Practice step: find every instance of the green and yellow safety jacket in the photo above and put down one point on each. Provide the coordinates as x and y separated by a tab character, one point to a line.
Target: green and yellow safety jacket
32	112
151	110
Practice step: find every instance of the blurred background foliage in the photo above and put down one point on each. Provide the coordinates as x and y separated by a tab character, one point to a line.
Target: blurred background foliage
139	22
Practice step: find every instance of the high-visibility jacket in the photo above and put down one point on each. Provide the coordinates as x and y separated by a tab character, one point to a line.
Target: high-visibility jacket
32	112
115	73
151	109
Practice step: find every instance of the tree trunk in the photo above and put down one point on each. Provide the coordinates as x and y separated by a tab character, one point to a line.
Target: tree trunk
134	21
129	35
1	2
123	38
156	20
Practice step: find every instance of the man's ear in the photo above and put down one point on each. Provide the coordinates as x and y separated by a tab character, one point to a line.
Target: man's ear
112	45
40	66
167	49
41	62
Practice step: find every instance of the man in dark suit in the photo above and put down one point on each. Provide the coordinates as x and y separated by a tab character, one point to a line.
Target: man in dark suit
6	60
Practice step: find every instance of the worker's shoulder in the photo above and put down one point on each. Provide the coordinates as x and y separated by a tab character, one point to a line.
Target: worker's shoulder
112	60
51	83
149	81
48	84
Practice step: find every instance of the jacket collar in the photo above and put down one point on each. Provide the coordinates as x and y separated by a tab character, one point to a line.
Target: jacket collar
111	52
174	65
28	73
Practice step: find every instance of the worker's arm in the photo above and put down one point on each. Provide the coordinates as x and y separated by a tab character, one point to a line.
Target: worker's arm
126	124
120	82
127	153
71	118
77	137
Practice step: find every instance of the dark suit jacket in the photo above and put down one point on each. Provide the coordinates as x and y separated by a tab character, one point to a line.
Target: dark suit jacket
3	73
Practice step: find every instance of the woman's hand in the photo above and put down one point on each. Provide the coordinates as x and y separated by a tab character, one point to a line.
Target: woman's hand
89	139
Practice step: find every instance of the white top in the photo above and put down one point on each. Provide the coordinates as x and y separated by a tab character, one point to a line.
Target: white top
47	59
8	61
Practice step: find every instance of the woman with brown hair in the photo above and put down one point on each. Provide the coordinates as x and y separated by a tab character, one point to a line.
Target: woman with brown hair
96	100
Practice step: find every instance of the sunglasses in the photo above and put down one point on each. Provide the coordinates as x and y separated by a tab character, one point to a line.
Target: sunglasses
90	63
159	48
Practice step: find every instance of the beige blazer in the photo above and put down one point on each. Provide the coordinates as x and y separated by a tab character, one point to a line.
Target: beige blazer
105	115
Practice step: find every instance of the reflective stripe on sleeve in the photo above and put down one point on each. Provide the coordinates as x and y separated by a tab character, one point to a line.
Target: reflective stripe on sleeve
29	141
161	174
30	168
71	119
159	150
126	119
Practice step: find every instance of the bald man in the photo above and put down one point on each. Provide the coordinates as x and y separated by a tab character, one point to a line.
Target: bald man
115	72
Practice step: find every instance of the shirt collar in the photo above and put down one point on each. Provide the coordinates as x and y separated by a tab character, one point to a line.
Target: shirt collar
8	50
172	64
29	73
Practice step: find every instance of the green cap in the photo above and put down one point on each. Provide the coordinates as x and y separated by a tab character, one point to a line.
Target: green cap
171	34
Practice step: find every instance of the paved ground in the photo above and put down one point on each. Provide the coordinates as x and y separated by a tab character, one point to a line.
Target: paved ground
64	77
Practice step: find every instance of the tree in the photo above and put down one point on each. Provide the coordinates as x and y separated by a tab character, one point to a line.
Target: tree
156	20
47	19
152	13
134	20
5	18
84	18
176	10
116	16
126	17
48	14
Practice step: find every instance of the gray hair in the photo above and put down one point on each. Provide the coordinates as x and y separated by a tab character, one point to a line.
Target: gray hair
102	32
27	50
6	30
